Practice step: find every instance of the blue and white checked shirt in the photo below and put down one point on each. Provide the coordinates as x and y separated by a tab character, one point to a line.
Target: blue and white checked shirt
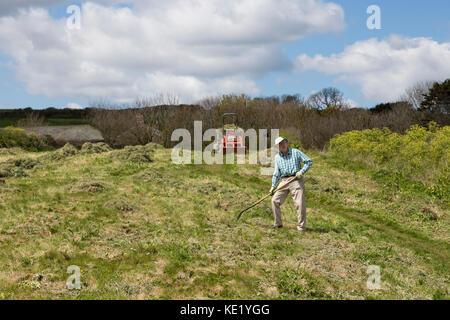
289	165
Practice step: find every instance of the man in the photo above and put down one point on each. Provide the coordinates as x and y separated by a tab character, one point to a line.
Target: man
287	165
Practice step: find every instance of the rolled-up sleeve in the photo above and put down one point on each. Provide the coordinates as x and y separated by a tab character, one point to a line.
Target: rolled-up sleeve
307	162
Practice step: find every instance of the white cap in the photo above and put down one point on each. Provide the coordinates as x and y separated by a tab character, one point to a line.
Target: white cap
279	140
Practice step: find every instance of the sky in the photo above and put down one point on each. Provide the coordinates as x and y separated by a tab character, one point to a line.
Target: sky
118	51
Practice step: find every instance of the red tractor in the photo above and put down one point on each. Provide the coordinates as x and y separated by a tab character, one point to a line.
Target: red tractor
231	140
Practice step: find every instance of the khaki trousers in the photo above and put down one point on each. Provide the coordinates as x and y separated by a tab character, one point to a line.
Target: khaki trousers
297	189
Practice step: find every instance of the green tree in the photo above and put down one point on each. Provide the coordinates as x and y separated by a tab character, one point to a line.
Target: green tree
438	98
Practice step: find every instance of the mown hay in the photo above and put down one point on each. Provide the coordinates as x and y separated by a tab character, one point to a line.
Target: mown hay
149	175
208	188
120	204
11	171
5	171
137	154
87	186
226	196
24	163
11	151
63	153
95	148
153	146
333	189
17	167
5	188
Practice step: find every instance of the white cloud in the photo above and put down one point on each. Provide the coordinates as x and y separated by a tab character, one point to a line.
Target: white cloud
193	48
73	105
351	103
384	69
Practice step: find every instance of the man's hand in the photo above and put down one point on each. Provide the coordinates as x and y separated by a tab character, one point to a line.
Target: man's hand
272	191
299	175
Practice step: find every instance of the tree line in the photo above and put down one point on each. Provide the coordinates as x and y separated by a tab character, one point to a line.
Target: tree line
308	122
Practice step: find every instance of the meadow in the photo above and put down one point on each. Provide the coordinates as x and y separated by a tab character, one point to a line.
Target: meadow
141	227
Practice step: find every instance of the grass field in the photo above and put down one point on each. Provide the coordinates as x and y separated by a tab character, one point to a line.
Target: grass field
155	230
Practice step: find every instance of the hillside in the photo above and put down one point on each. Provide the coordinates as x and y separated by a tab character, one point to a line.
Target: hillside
141	227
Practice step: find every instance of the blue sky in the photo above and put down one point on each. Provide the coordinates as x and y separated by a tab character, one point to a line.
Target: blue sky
411	19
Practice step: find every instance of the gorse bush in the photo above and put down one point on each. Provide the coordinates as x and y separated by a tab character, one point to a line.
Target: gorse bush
420	157
11	137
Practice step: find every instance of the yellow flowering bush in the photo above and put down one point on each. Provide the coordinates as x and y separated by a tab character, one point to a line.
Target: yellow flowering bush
11	137
420	155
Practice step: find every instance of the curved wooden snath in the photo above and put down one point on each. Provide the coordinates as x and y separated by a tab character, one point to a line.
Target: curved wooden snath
265	197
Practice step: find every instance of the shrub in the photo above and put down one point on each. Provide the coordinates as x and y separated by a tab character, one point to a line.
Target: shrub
420	157
11	137
32	119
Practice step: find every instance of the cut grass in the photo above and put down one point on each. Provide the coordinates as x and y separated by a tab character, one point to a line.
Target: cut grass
156	230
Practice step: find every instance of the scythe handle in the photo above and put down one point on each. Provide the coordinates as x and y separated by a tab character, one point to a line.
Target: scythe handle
265	197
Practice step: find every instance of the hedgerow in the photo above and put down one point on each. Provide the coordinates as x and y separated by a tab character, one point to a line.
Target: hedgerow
11	137
420	157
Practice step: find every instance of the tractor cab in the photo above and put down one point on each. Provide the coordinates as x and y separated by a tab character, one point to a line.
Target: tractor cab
231	139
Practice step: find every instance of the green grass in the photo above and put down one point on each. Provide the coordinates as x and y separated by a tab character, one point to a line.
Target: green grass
162	231
8	122
49	121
